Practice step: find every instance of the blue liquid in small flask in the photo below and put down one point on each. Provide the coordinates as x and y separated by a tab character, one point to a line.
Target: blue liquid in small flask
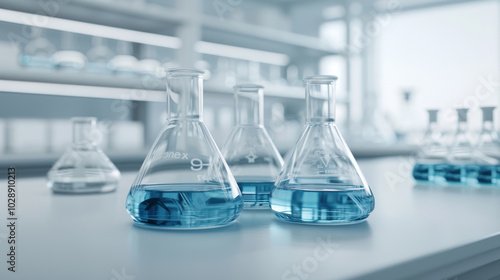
184	182
320	182
249	150
431	165
488	149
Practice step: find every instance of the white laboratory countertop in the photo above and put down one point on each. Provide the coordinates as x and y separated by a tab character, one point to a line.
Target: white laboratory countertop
417	232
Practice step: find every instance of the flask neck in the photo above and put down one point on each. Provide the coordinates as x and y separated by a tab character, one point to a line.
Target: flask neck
184	95
83	131
320	101
248	103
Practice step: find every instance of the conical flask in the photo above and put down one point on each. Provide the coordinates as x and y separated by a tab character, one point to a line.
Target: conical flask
488	145
321	182
462	159
184	182
249	150
83	168
431	157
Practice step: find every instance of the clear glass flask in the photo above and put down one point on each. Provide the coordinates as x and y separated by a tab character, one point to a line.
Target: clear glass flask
431	156
184	182
488	148
83	168
320	182
462	161
249	150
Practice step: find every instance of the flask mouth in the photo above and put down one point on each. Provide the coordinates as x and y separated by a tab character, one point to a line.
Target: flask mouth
87	120
177	72
320	78
248	86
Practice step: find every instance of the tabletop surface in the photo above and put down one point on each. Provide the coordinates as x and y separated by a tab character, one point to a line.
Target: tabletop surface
414	232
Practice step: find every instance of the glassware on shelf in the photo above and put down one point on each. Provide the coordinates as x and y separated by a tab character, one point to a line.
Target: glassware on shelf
83	168
68	58
184	182
249	150
431	158
38	51
321	182
123	63
148	63
99	56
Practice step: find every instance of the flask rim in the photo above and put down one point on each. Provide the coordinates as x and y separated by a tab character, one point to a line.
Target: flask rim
184	72
248	86
320	78
83	119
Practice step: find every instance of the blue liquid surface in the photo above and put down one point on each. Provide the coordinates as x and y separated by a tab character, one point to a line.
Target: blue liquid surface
159	206
304	204
256	194
470	174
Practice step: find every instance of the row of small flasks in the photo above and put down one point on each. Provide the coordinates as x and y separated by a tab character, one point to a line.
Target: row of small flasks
459	162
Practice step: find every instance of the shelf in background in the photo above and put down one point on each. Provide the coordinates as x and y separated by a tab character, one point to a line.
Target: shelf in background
162	20
261	35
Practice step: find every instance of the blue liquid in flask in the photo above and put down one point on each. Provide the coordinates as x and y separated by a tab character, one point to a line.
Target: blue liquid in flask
451	174
429	172
310	204
255	193
199	206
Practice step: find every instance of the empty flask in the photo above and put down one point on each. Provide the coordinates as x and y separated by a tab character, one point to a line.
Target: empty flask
83	168
321	182
184	182
249	150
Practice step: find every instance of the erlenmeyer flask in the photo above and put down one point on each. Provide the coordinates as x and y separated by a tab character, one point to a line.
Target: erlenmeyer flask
488	145
249	150
462	161
83	168
184	181
321	182
431	157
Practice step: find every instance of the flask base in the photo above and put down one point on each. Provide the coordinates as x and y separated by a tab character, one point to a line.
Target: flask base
183	210
82	187
334	206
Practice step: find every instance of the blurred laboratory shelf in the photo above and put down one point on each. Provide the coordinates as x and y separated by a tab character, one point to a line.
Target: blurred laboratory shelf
415	232
109	87
309	45
146	17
